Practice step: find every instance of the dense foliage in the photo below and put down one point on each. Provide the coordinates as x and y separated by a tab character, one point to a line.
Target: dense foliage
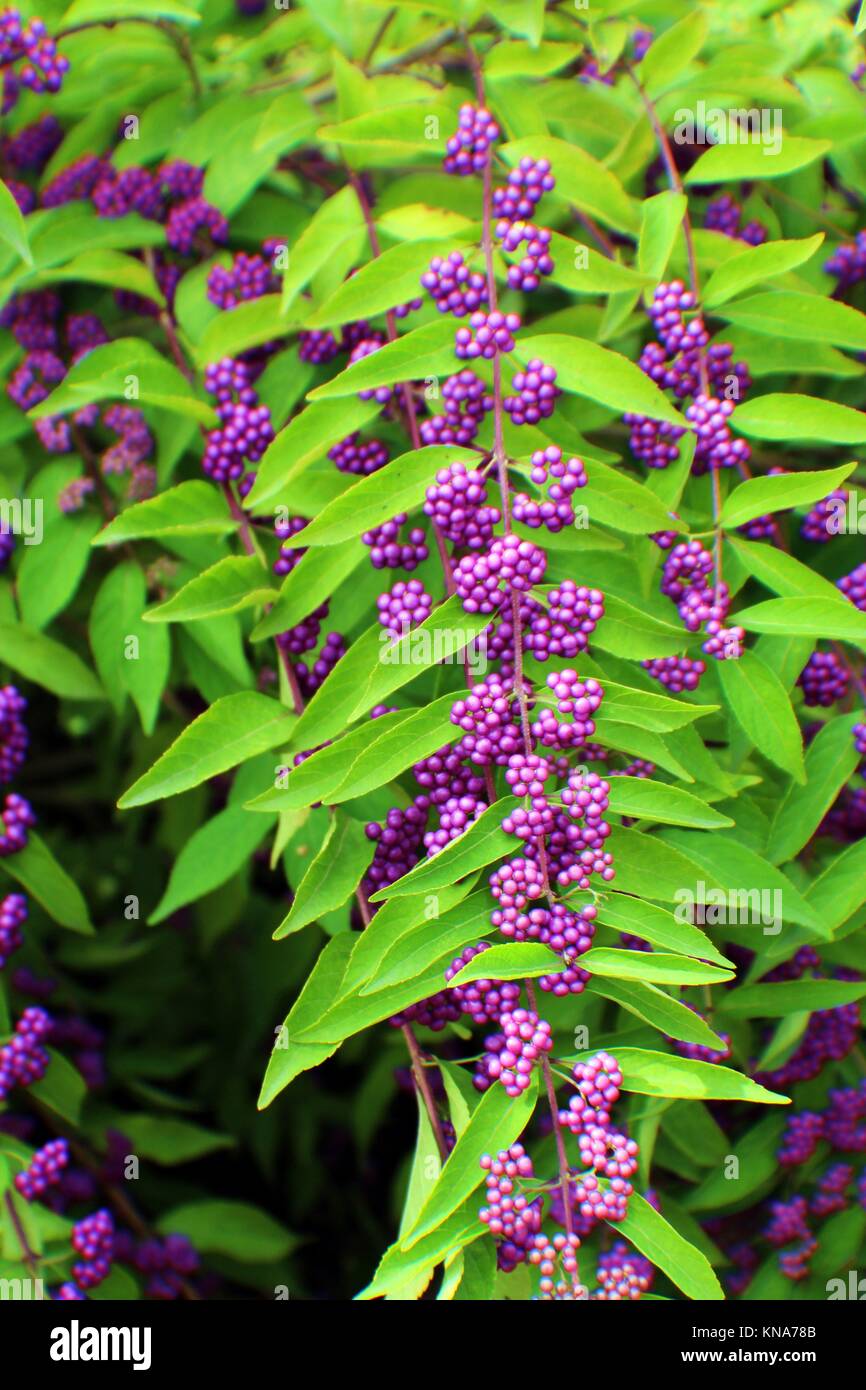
432	621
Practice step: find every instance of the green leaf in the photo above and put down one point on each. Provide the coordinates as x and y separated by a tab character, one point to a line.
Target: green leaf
337	222
753	267
646	709
233	583
790	997
650	800
364	759
758	1163
479	1273
661	219
762	708
90	11
666	1074
213	854
47	663
807	617
136	667
614	499
774	494
580	179
398	487
417	950
402	919
787	314
671	52
374	667
654	967
235	728
631	632
724	163
399	1266
512	961
107	267
169	1141
333	875
253	149
650	868
685	1266
781	572
590	370
716	860
427	351
841	889
107	373
512	59
642	743
830	760
306	438
651	1005
392	134
289	1056
484	841
583	270
657	926
13	228
791	416
237	330
190	509
315	577
495	1123
235	1229
36	869
379	285
50	573
426	1167
61	1089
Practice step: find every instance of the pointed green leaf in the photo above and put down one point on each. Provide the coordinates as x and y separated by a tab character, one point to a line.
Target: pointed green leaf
235	728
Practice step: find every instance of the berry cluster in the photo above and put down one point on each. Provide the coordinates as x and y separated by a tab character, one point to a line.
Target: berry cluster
853	586
245	428
23	1059
453	287
604	1151
13	732
166	1263
466	402
469	148
457	503
815	525
93	1240
248	277
359	456
535	396
406	604
848	263
824	679
388	551
13	915
44	1170
683	362
42	68
725	215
